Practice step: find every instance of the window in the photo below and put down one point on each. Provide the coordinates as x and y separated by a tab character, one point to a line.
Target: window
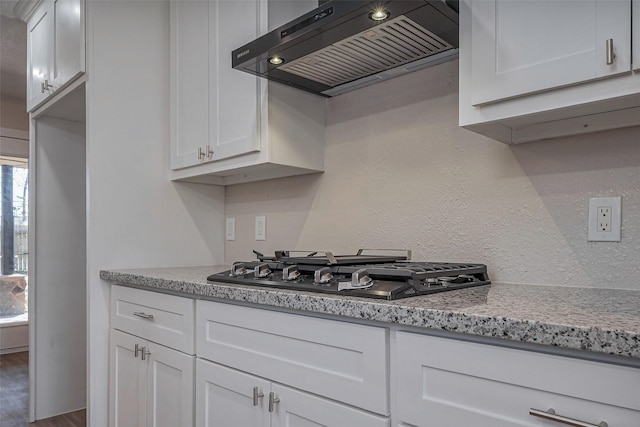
14	184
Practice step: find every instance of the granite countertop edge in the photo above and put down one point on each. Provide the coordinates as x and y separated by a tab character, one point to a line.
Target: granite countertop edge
597	339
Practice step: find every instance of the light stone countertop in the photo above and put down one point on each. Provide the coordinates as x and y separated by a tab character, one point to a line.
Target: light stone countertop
595	320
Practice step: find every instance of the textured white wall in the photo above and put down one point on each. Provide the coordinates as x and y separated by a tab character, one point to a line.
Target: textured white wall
400	173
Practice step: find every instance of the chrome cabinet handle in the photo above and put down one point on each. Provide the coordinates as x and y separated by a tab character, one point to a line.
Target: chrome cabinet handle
145	353
610	54
136	350
143	315
273	399
201	154
45	86
257	393
551	415
209	152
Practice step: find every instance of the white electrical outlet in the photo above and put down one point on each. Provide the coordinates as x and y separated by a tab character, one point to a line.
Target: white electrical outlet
604	218
231	229
261	228
605	215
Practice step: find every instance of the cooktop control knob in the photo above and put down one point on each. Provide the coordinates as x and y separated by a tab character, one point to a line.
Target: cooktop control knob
290	273
238	269
361	279
322	276
261	271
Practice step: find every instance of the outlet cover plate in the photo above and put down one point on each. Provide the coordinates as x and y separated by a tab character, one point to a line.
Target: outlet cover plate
615	203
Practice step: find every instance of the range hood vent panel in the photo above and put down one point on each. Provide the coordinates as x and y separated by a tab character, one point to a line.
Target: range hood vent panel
385	46
336	48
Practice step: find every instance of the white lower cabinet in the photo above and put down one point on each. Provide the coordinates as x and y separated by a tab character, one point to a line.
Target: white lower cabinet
176	362
444	382
152	385
231	398
339	360
303	371
152	360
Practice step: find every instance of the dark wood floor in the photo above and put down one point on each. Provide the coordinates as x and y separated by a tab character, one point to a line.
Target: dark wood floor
14	396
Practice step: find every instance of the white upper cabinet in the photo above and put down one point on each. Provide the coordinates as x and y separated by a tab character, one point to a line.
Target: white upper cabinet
236	101
68	59
55	48
217	114
524	46
39	45
189	81
228	126
532	70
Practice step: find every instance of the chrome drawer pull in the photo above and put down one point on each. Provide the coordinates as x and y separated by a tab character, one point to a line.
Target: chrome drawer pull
257	393
273	399
136	350
551	415
144	315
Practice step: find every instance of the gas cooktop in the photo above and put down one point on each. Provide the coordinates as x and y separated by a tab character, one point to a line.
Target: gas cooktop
362	275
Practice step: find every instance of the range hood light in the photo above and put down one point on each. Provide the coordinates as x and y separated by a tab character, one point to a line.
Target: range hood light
379	15
276	60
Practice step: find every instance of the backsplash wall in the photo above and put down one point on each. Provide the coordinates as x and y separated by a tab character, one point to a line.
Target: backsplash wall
400	173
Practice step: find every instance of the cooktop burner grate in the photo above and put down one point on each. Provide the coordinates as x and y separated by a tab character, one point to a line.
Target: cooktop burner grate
392	279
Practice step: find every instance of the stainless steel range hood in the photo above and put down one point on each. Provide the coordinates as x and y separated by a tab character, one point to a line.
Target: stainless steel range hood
345	45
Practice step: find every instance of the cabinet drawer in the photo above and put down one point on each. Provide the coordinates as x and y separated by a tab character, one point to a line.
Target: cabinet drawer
163	319
462	383
344	361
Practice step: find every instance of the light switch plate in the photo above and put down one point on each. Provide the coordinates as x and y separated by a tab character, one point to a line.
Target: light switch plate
231	229
605	217
261	228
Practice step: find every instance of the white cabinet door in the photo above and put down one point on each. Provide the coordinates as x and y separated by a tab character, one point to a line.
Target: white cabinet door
236	98
190	81
127	383
298	409
169	387
68	41
225	397
525	46
39	45
156	391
